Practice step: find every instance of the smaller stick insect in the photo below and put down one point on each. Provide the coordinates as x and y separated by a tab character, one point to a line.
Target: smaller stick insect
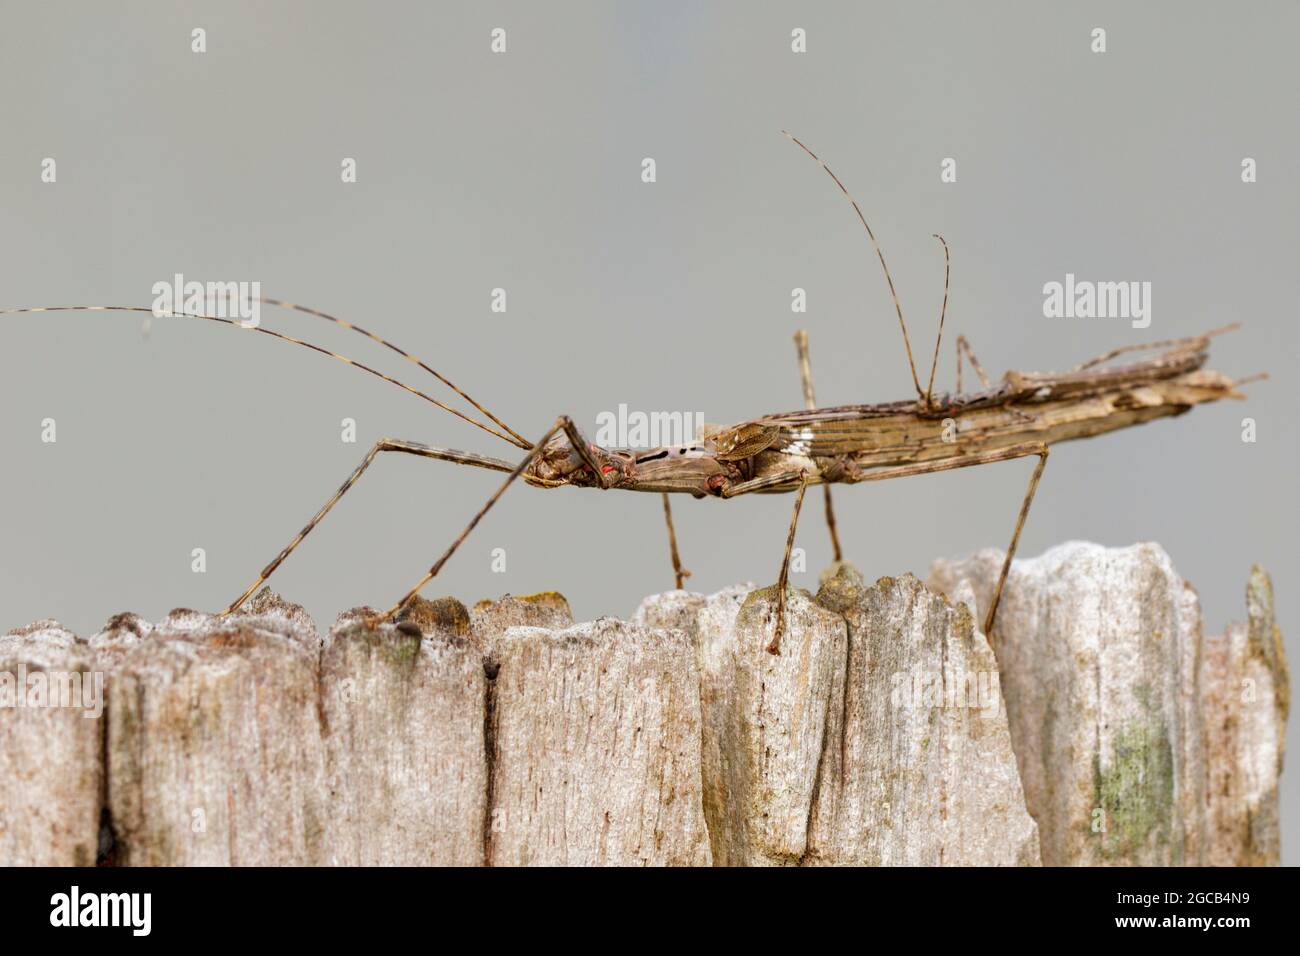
786	452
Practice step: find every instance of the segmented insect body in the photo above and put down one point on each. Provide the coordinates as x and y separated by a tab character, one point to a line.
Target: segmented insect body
1021	417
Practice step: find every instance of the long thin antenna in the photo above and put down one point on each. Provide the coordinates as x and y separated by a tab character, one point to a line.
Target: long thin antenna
943	311
279	335
519	439
907	343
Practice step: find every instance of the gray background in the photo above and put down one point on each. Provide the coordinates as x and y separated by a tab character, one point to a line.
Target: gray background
523	171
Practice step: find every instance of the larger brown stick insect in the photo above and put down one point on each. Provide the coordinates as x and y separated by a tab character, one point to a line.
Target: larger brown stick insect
786	452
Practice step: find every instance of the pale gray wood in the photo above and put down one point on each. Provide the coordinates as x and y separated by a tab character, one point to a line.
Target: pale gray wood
1102	668
1245	690
489	620
214	743
51	767
595	755
919	769
886	732
810	757
403	721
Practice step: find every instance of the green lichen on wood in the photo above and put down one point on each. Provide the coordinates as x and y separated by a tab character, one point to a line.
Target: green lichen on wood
400	649
393	646
1265	637
1047	743
1135	788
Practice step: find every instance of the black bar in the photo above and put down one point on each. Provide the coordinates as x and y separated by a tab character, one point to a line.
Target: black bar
870	906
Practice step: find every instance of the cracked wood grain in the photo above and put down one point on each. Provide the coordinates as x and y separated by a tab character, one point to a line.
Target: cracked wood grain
1104	730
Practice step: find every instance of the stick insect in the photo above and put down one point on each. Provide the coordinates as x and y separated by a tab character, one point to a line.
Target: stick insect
786	452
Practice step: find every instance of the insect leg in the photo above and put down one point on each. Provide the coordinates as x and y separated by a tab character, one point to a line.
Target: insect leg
984	458
761	484
758	484
783	580
1015	540
562	424
384	444
810	400
1194	343
963	345
580	445
679	572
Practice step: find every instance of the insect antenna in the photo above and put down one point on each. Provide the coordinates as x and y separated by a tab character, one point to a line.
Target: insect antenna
943	310
518	439
279	335
907	343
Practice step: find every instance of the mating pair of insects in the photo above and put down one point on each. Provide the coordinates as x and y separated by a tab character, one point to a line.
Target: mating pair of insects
1018	418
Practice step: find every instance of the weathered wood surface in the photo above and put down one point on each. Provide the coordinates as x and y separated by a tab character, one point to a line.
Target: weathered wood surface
1138	741
765	717
51	765
402	722
920	770
215	754
596	748
593	733
885	733
859	743
1246	693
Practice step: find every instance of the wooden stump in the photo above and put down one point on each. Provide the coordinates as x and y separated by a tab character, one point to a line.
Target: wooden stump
214	744
1120	715
595	755
920	770
51	742
403	721
1246	695
887	731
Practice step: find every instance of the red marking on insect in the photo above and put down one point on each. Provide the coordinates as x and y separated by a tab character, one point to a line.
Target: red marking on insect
606	469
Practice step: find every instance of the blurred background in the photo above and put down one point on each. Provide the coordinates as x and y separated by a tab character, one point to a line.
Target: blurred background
522	171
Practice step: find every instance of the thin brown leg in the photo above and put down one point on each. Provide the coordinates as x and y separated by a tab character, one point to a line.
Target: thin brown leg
1194	343
562	424
580	445
679	572
810	401
783	581
384	444
984	458
830	523
1015	540
1021	450
791	478
963	345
